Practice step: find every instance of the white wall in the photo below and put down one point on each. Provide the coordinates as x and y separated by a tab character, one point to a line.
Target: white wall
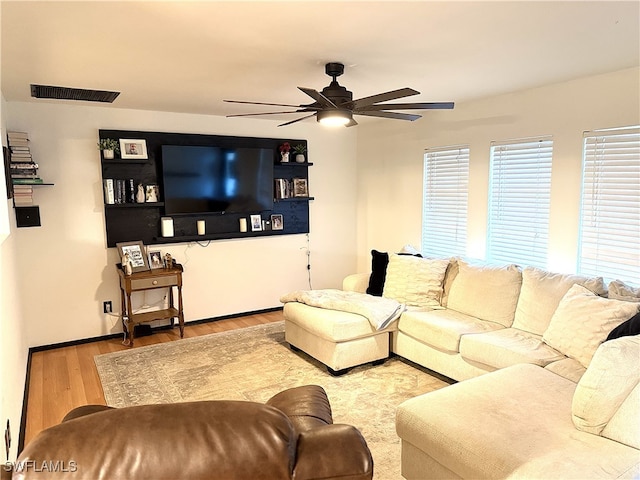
66	271
13	339
390	159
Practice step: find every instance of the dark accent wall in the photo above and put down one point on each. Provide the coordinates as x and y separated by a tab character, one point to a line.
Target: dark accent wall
141	221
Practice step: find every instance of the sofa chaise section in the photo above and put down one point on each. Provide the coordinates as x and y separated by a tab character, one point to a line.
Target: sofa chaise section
525	421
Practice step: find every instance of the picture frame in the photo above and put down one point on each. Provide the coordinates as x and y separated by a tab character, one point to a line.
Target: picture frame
155	259
151	193
256	223
133	148
277	222
137	254
300	187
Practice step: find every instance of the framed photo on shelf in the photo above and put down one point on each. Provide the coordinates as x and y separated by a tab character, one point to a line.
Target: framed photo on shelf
256	223
151	193
137	255
155	259
277	222
300	187
134	149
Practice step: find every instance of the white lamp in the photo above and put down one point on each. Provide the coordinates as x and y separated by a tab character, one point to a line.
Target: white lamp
334	117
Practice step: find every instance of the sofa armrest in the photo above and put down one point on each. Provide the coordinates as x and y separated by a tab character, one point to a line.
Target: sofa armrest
333	451
356	282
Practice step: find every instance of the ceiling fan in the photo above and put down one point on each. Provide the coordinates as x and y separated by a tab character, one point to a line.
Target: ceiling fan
335	104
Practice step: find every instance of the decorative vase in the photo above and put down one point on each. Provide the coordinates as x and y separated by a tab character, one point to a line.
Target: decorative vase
300	158
108	154
285	157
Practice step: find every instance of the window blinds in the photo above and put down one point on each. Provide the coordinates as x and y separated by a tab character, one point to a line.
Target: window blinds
444	212
610	211
519	197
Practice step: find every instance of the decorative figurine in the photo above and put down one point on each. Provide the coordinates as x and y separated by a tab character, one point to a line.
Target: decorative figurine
168	261
140	198
284	152
126	264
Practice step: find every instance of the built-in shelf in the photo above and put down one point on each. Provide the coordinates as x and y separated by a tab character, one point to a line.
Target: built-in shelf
294	199
142	221
34	184
135	205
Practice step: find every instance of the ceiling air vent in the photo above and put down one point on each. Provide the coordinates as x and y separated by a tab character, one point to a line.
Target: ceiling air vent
68	93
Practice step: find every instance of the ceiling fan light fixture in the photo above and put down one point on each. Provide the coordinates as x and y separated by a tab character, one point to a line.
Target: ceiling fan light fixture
334	117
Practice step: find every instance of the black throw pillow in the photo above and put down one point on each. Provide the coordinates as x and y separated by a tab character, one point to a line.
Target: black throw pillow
625	329
379	262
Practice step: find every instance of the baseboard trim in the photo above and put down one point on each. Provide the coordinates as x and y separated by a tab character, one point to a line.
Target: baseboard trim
73	343
42	348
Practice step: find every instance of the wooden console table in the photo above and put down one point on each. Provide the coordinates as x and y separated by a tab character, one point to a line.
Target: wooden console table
156	278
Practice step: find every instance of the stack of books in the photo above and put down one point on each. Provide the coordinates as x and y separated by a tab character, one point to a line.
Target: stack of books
283	188
23	170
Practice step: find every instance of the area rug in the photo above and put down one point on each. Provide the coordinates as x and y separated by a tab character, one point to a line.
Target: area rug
254	364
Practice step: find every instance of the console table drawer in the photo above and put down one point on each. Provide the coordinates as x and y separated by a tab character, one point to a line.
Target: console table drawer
146	283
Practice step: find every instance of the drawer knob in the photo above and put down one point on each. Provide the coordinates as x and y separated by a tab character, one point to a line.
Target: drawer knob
155	282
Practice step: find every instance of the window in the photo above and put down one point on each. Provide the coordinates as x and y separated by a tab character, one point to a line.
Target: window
444	213
610	213
519	197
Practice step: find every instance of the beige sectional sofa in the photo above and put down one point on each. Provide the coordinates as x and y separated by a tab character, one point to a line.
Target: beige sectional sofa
533	333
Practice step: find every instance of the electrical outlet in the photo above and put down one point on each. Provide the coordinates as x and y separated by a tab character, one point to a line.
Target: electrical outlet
7	438
107	307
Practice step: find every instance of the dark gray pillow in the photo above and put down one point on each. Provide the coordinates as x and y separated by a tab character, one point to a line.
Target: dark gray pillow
625	329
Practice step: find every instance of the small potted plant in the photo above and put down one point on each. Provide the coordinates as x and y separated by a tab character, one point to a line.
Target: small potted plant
108	146
284	152
300	150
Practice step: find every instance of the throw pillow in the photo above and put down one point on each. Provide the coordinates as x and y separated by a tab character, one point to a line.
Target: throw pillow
486	292
541	293
621	291
582	322
415	281
379	261
625	329
605	401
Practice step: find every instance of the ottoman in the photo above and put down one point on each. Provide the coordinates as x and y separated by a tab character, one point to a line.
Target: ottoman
340	340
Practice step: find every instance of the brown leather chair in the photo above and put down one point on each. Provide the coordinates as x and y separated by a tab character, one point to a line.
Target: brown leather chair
292	436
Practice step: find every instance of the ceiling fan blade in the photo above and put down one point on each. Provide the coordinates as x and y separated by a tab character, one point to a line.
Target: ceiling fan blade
393	115
318	97
352	123
263	113
383	97
297	120
263	103
410	106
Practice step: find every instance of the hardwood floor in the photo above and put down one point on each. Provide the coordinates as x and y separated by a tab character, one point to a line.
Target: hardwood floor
65	378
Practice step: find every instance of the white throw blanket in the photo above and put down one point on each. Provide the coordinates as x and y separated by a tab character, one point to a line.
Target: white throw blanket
378	310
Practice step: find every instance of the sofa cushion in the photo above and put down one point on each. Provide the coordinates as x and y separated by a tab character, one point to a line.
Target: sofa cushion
569	368
610	382
541	293
442	329
331	325
582	322
621	291
415	281
487	292
506	347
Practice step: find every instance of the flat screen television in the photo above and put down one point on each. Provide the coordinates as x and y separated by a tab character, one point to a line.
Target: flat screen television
204	179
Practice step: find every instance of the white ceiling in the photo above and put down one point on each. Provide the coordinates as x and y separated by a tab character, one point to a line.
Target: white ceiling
189	56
